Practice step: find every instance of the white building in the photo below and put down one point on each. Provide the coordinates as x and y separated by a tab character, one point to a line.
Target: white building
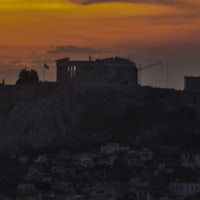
113	148
184	189
41	159
133	158
196	158
102	159
186	160
169	168
84	160
146	155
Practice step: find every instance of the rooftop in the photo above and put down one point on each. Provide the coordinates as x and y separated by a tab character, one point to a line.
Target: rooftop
105	60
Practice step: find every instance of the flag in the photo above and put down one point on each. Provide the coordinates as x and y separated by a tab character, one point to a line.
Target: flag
46	66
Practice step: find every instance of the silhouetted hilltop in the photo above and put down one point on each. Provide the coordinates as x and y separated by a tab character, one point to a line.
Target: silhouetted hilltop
85	116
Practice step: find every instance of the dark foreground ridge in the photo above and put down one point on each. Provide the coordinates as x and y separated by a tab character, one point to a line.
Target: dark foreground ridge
99	142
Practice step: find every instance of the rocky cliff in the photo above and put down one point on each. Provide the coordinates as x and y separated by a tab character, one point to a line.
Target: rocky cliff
74	117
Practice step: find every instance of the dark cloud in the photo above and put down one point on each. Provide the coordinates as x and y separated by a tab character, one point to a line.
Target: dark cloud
73	50
170	2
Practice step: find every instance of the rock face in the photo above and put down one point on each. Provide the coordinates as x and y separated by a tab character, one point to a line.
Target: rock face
33	124
71	118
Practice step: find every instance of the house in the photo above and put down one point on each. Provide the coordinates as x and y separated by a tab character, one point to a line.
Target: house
62	187
103	194
113	148
41	159
196	158
186	160
166	167
80	173
192	83
140	188
102	190
143	193
184	188
26	189
100	174
146	155
133	159
189	160
83	160
102	159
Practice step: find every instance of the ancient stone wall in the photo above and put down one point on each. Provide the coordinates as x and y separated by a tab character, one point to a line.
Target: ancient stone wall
119	71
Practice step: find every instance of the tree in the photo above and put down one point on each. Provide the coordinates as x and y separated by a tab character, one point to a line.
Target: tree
27	77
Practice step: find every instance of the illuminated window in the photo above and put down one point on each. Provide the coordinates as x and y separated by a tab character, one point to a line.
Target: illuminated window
68	68
72	71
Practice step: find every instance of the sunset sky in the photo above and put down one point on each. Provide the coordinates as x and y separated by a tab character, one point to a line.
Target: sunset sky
146	31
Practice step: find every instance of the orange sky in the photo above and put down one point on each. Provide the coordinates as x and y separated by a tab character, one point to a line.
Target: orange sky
104	24
147	30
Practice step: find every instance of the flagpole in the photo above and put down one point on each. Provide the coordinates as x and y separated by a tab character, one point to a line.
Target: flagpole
45	66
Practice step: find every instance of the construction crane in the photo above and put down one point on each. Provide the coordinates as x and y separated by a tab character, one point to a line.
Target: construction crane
140	69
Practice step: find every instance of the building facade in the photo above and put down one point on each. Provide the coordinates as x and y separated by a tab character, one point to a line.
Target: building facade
101	71
192	83
184	188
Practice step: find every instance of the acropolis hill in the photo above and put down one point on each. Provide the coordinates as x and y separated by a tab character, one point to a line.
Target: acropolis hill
73	114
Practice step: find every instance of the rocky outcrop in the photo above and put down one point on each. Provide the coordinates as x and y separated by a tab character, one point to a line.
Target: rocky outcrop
91	115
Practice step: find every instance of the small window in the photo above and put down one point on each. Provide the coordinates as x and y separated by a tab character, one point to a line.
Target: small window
68	68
